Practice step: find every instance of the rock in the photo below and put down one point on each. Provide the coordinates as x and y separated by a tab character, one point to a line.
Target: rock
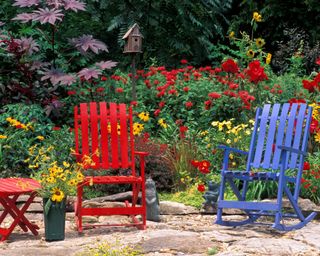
175	242
121	197
174	208
271	246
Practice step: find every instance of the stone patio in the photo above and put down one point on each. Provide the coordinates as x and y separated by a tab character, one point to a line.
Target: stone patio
183	230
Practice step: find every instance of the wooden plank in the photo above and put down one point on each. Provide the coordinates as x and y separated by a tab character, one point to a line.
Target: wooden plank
280	135
297	134
94	134
123	135
84	129
104	121
114	134
261	136
271	136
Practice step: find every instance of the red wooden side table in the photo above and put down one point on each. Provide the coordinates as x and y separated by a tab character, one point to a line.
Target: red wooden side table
10	190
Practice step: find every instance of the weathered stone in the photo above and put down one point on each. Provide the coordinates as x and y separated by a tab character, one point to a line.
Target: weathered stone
180	234
174	208
170	240
272	246
35	207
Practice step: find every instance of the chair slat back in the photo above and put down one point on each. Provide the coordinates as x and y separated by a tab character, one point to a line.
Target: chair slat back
276	125
105	132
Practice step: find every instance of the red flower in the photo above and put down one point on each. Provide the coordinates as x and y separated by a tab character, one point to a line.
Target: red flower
156	82
309	85
201	188
195	163
214	95
186	89
207	104
188	104
314	126
256	72
71	93
230	66
306	166
183	61
162	104
100	89
119	90
156	112
103	78
183	130
56	128
318	61
134	103
204	167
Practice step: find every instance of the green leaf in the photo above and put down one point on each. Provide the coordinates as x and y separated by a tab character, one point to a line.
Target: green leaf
47	207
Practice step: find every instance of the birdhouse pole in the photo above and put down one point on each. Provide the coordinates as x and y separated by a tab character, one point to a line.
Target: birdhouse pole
134	77
133	45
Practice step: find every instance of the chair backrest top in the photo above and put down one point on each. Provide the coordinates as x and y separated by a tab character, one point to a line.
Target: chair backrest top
279	124
104	131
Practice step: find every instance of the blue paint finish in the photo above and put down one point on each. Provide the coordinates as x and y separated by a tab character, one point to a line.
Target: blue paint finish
279	142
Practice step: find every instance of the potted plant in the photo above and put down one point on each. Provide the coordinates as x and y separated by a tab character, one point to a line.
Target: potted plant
58	179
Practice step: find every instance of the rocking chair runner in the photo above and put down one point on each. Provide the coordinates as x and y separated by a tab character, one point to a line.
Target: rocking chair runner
105	132
279	145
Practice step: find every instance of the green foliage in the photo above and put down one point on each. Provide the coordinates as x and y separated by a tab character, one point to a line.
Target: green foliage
21	125
213	251
170	28
191	196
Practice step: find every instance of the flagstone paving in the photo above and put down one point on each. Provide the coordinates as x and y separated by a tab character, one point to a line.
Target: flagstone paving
190	233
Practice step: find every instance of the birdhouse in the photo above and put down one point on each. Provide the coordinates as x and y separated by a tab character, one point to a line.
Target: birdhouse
133	39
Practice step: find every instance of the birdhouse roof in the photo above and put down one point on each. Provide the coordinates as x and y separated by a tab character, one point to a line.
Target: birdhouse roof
132	29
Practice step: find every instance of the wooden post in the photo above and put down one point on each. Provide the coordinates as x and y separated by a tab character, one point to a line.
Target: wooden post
133	78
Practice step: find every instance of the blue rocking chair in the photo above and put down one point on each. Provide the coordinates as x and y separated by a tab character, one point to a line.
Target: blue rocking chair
277	150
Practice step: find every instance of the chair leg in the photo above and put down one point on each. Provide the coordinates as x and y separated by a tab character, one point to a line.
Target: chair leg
78	206
220	198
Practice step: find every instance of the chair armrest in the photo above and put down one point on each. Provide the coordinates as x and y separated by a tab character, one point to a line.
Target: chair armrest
292	150
140	153
226	148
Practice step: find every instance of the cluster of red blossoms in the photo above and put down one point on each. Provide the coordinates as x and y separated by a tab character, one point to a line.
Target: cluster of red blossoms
203	167
307	184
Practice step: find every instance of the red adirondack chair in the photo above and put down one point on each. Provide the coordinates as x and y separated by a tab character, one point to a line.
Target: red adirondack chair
105	132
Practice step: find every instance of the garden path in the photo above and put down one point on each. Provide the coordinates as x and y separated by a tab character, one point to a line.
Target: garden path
182	231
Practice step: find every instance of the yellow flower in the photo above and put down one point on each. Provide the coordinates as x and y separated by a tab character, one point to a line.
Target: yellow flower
65	164
228	141
144	116
250	53
231	35
162	123
72	182
57	195
317	137
3	136
215	123
260	42
257	17
137	128
268	58
51	179
40	137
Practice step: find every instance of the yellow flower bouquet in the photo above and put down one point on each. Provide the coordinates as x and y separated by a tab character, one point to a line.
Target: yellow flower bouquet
58	178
